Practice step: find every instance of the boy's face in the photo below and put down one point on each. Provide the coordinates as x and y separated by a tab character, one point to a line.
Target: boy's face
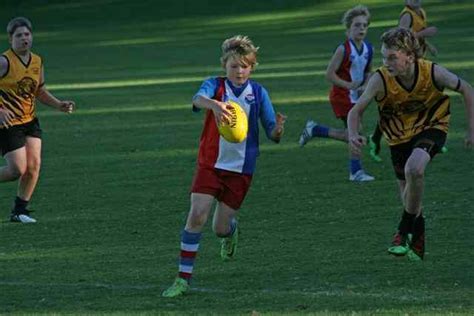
21	40
397	62
359	27
237	71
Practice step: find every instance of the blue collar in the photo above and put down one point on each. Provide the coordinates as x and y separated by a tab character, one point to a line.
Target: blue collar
237	90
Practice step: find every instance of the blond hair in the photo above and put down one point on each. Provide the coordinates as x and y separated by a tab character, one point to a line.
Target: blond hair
240	47
18	22
402	39
350	15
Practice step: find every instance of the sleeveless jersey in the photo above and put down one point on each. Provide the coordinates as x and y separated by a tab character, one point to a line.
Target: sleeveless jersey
418	23
404	112
19	85
354	65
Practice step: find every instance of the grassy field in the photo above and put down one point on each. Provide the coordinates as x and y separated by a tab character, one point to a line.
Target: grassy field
113	193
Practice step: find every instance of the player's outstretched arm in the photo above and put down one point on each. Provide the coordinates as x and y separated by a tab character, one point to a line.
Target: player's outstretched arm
374	88
446	79
429	31
46	97
431	48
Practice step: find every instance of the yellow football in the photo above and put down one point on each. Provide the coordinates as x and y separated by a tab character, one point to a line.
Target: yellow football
236	130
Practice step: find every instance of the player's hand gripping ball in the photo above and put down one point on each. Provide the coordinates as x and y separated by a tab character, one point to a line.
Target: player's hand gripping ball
234	131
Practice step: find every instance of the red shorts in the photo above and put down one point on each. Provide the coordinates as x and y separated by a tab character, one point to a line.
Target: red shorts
341	104
226	186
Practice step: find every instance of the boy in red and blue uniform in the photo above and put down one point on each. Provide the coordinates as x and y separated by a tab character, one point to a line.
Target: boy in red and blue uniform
224	170
348	71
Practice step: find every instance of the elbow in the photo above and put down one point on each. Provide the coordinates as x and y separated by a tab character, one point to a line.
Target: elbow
40	95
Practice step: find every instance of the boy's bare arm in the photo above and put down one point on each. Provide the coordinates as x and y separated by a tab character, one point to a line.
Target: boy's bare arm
3	66
374	88
219	108
429	31
331	71
445	78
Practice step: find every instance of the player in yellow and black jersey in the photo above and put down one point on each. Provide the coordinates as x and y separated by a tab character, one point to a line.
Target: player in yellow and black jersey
412	17
414	115
21	83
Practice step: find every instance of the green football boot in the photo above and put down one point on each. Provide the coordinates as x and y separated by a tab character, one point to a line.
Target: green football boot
229	245
400	245
178	288
413	255
374	150
417	249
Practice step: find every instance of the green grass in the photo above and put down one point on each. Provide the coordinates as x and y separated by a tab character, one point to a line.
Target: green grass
113	193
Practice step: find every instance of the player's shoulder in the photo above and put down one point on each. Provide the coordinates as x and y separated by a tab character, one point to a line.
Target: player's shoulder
213	81
379	78
342	47
258	87
341	50
35	55
255	83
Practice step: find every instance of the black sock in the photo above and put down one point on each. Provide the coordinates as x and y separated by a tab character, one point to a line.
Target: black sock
20	205
406	223
418	227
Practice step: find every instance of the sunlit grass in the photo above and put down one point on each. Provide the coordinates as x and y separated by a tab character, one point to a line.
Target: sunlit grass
451	7
175	80
459	64
135	41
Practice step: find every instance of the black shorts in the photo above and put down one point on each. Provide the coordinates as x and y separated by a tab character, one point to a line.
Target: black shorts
430	140
14	137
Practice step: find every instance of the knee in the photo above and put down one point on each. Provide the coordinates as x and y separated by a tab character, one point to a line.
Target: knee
197	218
16	171
33	167
414	172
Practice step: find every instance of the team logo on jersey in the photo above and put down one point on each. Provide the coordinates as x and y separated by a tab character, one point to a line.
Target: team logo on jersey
411	107
26	88
250	98
399	109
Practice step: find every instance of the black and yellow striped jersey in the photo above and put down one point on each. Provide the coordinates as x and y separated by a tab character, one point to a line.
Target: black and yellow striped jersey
405	112
19	85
